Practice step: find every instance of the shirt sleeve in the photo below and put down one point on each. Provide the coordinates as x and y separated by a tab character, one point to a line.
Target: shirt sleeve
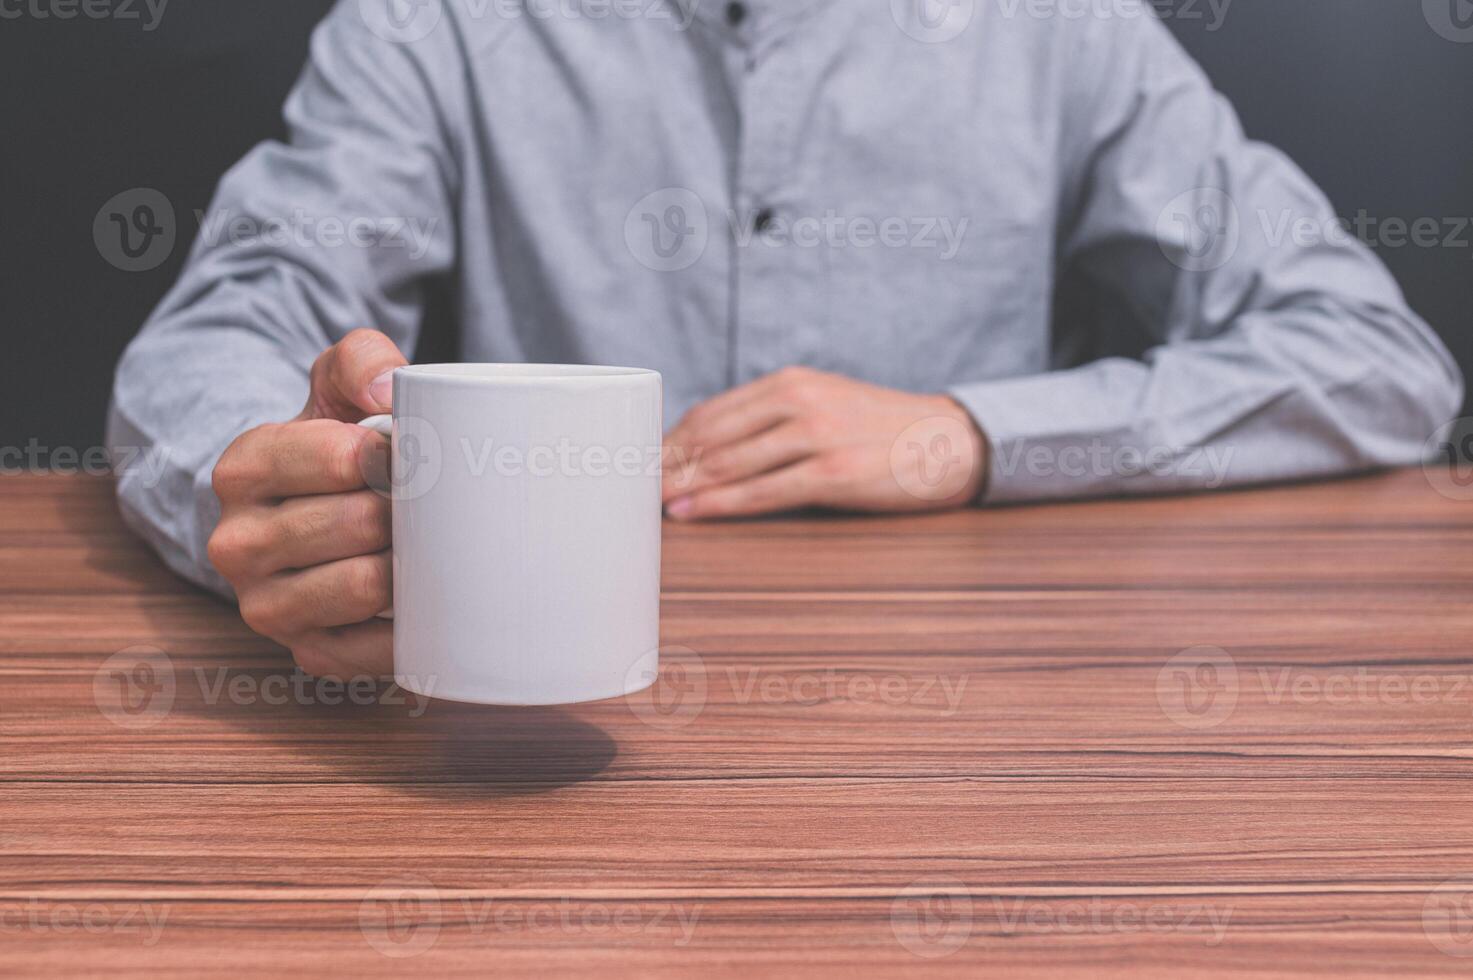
339	228
1278	345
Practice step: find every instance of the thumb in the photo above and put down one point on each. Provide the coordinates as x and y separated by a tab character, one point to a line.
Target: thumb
352	379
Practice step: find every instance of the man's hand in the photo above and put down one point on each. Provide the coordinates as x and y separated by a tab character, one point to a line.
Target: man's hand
800	437
302	537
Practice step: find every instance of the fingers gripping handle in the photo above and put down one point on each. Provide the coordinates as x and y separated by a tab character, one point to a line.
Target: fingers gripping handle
384	426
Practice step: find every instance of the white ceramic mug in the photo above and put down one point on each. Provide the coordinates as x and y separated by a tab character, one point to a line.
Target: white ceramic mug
526	554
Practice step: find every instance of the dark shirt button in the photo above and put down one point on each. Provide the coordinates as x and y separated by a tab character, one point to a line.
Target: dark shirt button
763	220
736	12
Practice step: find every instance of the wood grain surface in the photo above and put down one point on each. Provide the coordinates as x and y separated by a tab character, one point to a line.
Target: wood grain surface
1218	735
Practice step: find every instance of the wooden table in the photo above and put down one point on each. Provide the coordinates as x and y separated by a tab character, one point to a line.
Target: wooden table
1225	734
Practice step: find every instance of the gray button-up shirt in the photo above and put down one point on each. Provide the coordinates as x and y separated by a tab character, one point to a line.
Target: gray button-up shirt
892	191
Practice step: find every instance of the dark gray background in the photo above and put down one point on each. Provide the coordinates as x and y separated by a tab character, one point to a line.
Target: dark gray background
1364	94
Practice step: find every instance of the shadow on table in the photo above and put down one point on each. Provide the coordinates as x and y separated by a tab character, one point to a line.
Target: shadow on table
413	745
499	751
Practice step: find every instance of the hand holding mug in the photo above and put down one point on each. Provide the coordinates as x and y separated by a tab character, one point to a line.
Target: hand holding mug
303	538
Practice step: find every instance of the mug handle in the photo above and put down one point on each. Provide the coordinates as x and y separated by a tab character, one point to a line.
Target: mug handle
384	426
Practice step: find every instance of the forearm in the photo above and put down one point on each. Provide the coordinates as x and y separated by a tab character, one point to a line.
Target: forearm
337	229
1284	394
181	395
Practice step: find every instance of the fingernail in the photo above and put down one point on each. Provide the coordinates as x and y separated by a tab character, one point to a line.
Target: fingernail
678	508
381	389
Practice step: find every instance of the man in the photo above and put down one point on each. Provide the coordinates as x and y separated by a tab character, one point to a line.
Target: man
835	228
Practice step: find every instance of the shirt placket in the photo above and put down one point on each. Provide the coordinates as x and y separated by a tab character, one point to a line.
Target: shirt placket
774	277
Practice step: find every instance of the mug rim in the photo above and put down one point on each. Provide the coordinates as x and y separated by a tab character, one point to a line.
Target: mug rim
516	372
